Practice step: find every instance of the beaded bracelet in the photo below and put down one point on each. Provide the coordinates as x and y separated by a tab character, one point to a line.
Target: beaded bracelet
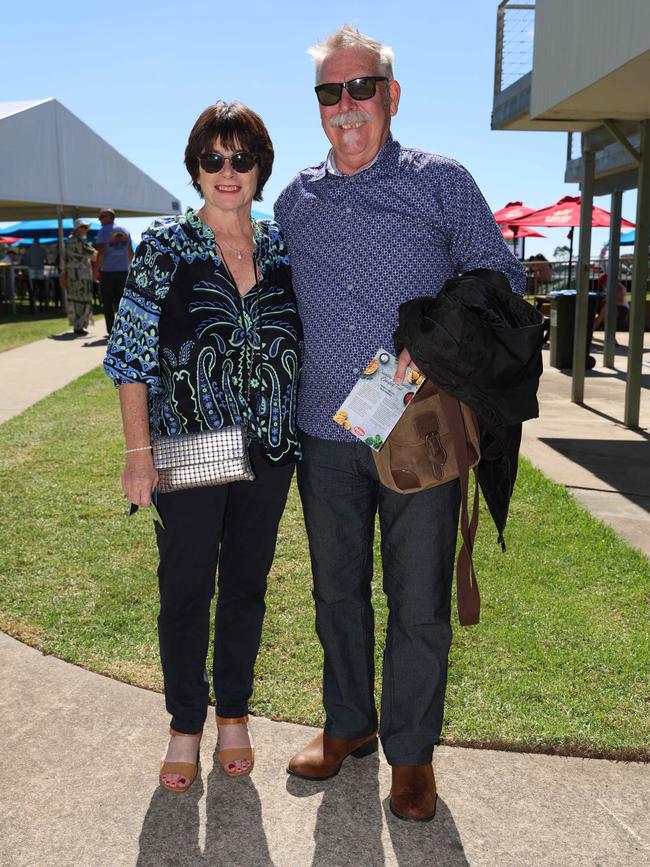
140	449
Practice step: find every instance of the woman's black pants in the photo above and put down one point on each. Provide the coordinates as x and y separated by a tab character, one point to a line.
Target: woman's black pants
231	529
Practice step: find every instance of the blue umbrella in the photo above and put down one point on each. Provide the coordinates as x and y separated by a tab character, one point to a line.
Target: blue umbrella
25	242
628	238
43	229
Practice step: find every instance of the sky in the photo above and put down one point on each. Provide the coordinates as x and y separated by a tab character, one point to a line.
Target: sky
139	74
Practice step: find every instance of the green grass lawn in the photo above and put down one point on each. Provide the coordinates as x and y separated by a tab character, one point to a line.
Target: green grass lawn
26	327
559	663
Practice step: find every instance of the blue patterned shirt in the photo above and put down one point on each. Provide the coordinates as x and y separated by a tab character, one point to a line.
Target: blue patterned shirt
208	356
360	245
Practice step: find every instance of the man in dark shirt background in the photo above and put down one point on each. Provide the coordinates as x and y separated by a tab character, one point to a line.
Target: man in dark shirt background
115	253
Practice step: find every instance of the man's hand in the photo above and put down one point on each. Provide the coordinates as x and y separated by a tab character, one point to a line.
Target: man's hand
403	362
139	478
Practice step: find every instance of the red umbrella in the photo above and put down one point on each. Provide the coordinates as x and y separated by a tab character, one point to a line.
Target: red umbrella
5	240
522	232
512	211
566	214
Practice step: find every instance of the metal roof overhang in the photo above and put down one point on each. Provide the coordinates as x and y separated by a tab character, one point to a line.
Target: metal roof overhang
623	94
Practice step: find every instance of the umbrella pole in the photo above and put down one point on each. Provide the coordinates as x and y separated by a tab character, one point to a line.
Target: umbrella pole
568	282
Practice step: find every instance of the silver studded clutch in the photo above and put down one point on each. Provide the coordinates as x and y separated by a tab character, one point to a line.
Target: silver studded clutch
197	460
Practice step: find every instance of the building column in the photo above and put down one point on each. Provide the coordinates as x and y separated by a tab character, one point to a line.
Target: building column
582	282
639	281
609	350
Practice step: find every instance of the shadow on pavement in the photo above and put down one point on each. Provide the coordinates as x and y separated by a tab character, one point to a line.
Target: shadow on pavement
617	420
234	831
234	834
349	824
170	831
619	464
349	821
100	341
428	844
67	335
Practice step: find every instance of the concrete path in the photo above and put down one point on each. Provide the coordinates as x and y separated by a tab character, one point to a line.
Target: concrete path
35	370
587	448
69	798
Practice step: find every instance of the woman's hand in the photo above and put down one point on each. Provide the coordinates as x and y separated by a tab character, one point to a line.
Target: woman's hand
139	478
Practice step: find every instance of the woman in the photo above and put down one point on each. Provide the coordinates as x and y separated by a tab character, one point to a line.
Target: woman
207	335
78	280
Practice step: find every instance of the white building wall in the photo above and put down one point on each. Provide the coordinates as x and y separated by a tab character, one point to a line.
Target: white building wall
578	42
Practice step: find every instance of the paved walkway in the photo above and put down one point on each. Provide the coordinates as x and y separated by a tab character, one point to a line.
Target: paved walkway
35	370
68	798
587	448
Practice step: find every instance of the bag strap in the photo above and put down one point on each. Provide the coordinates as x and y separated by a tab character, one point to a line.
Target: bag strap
468	598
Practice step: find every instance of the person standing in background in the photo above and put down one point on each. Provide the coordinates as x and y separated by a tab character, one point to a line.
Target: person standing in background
115	252
34	259
79	254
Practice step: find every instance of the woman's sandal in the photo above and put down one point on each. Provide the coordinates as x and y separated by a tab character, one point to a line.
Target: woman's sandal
231	755
186	770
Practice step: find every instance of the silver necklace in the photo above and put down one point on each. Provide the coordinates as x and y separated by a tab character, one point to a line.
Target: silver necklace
239	253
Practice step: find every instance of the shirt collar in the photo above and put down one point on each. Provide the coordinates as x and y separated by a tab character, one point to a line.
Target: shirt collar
204	235
381	161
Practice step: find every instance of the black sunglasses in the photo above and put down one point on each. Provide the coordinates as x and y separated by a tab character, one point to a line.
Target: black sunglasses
242	161
358	88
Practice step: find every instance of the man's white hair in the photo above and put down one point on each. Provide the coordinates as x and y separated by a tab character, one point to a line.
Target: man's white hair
349	36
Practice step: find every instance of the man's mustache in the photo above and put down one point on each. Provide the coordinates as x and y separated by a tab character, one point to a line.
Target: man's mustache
347	117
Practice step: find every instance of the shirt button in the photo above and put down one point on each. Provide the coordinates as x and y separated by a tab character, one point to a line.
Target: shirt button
355	370
348	210
351	327
350	287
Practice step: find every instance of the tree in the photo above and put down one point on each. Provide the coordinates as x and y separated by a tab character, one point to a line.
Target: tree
561	252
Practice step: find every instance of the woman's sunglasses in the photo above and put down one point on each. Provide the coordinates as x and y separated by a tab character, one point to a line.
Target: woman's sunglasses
358	88
242	161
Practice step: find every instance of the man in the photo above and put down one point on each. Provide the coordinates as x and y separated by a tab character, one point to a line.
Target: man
35	259
373	226
115	252
622	305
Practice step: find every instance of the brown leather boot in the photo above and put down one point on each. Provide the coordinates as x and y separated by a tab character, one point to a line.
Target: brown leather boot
413	793
323	757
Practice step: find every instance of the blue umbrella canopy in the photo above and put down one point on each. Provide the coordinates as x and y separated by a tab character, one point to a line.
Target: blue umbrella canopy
25	242
45	230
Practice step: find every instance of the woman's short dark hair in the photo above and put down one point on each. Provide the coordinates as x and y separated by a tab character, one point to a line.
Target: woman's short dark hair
237	126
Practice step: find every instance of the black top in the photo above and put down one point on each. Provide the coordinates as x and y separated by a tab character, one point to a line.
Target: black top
210	357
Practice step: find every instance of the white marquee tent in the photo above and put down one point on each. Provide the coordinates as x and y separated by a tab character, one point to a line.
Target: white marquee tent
52	164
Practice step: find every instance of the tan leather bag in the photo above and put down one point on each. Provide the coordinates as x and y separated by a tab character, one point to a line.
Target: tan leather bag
436	440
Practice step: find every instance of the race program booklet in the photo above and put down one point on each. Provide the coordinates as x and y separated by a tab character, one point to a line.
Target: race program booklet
376	403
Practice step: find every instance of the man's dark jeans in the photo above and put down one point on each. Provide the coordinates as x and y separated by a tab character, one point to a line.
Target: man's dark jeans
112	286
340	495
